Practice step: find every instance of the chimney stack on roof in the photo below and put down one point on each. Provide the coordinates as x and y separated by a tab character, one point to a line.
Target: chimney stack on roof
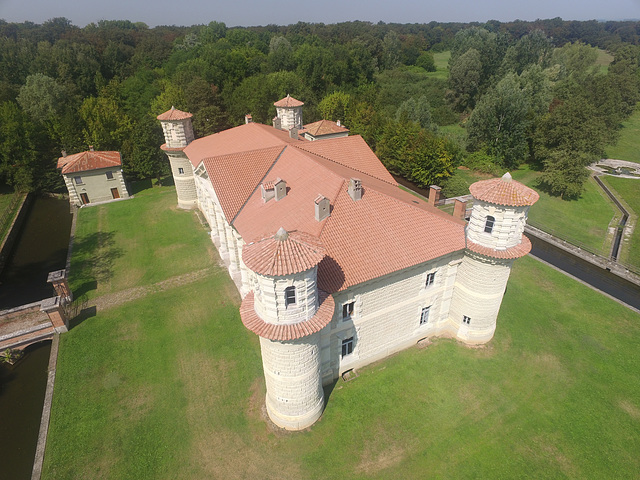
64	153
338	123
293	133
91	148
322	207
434	194
355	189
248	118
460	209
277	123
280	187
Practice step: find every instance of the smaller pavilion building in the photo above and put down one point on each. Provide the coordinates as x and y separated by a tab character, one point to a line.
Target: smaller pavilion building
93	177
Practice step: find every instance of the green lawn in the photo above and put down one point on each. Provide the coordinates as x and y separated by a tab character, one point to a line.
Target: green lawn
134	242
603	61
584	222
170	386
628	145
629	191
441	60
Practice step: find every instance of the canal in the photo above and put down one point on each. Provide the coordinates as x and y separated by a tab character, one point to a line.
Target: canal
40	247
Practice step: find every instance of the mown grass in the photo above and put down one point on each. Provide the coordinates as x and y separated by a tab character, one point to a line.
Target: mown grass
603	61
584	221
441	60
170	386
628	145
628	190
132	243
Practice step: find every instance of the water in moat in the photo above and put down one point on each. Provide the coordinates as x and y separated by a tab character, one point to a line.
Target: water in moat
40	248
22	390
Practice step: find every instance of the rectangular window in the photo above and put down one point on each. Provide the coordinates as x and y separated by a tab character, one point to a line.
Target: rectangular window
289	296
347	347
78	180
466	320
430	278
488	226
180	170
424	316
109	175
347	310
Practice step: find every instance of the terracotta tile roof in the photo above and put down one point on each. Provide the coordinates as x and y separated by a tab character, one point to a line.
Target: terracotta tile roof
323	127
504	191
236	176
284	332
85	161
288	101
352	152
174	114
379	235
249	136
283	254
518	251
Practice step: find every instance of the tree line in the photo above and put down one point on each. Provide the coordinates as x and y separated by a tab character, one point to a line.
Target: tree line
524	91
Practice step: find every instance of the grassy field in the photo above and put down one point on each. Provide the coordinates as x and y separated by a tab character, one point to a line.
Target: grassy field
603	61
628	145
629	191
133	243
170	386
441	60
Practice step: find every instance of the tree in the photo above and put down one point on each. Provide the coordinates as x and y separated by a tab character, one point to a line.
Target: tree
106	126
499	122
425	60
416	110
465	74
391	51
532	49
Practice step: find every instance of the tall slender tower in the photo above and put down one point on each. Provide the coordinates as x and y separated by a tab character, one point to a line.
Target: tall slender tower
178	133
494	238
287	311
289	112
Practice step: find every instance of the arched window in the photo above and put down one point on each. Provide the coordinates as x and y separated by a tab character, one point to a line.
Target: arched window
289	296
488	226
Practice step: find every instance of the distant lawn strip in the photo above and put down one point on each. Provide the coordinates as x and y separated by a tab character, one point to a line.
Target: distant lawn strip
628	145
441	60
171	386
629	190
584	222
9	206
136	242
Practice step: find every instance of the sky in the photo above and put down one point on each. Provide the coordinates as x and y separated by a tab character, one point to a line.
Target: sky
284	12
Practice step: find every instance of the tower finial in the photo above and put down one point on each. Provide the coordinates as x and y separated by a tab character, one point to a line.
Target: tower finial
507	177
281	235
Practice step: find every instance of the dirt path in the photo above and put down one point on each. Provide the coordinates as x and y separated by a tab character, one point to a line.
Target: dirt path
112	300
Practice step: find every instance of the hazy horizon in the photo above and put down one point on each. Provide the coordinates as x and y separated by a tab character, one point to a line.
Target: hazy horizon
260	12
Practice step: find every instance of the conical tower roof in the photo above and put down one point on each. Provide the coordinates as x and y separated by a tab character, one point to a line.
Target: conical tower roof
504	191
174	114
288	102
285	253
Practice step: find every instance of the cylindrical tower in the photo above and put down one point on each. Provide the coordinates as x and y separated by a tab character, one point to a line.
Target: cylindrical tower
494	238
178	133
287	311
289	111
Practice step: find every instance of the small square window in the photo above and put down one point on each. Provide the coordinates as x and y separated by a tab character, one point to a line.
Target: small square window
347	310
424	316
430	278
180	170
466	320
347	347
289	296
109	175
78	180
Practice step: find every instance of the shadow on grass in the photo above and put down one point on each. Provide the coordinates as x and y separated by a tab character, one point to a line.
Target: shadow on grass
140	185
328	390
98	252
85	288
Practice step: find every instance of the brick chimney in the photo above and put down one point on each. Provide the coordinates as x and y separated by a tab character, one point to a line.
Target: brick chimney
91	148
434	194
64	153
248	118
460	209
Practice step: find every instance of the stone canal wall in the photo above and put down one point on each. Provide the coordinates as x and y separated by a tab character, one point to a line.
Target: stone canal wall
14	229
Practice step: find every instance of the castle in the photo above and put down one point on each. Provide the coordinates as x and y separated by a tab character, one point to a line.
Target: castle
337	266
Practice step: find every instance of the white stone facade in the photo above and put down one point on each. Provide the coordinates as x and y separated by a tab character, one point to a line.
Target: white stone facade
507	229
99	185
177	133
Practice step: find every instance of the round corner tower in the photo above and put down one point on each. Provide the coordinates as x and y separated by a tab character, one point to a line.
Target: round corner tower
289	111
494	239
287	311
178	133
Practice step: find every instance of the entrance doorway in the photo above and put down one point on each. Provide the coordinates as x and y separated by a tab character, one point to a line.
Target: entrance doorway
85	198
115	193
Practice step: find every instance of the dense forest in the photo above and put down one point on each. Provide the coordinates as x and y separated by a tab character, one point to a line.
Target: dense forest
516	92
